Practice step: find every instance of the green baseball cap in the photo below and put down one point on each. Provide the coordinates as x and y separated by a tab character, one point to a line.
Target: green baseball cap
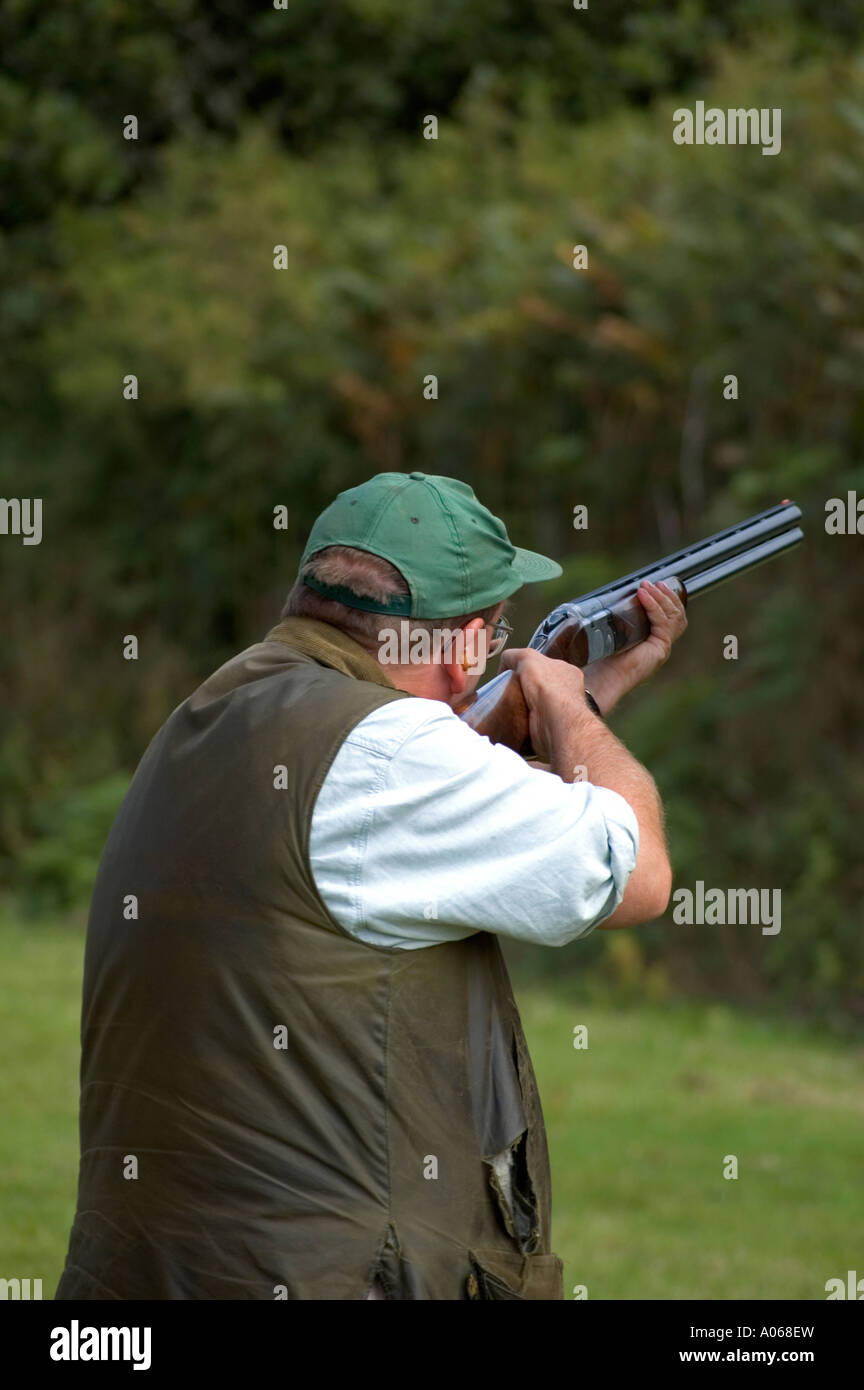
455	555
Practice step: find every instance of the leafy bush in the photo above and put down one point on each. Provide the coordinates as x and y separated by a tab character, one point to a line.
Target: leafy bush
56	870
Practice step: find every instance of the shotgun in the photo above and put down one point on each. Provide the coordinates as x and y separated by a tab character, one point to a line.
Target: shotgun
611	619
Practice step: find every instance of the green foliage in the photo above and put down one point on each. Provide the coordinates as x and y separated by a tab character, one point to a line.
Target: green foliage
57	868
407	257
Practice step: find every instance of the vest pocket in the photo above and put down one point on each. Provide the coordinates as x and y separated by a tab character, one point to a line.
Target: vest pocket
507	1274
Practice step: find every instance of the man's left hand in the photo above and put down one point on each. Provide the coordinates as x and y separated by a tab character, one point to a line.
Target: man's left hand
612	677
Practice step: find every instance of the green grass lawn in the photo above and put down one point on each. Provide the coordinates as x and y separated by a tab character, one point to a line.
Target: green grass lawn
639	1125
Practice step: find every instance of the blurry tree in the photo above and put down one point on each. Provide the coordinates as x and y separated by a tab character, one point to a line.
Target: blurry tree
262	387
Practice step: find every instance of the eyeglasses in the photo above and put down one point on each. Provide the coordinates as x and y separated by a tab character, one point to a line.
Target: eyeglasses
500	632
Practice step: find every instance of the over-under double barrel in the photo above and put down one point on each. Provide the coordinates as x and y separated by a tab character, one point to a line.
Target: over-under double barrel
611	619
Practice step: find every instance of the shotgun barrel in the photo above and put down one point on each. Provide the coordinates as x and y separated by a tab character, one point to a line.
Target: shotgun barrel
611	619
741	540
746	560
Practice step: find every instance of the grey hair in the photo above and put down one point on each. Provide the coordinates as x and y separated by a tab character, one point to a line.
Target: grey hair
369	576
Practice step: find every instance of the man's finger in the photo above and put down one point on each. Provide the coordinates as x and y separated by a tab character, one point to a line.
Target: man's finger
668	602
674	599
652	601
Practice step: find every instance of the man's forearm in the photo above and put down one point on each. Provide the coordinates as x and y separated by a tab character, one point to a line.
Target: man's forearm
582	741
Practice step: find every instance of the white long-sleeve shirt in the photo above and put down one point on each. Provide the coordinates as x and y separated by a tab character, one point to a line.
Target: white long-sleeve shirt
424	831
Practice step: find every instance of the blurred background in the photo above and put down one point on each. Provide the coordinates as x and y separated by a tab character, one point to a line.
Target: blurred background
262	388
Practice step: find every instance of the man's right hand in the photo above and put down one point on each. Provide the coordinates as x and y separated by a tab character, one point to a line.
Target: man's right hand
554	692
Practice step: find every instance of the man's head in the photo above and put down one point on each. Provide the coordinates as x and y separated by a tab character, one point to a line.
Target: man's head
417	571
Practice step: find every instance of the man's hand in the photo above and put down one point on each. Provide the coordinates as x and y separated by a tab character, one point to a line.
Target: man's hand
554	692
612	677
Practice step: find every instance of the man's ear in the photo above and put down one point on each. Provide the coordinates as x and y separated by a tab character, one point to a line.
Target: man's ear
464	655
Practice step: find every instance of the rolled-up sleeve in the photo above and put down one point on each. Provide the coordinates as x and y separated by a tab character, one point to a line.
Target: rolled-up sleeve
461	835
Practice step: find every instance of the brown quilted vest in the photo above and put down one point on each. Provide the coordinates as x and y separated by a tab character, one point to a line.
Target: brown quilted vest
269	1107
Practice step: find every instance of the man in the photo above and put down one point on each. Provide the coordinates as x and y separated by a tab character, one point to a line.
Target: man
303	1071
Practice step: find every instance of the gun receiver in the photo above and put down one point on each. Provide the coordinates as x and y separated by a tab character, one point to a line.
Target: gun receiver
611	619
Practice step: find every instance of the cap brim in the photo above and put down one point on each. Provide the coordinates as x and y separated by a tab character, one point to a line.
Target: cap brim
531	566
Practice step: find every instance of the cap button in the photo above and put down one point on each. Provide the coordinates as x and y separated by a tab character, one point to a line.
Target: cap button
418	477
